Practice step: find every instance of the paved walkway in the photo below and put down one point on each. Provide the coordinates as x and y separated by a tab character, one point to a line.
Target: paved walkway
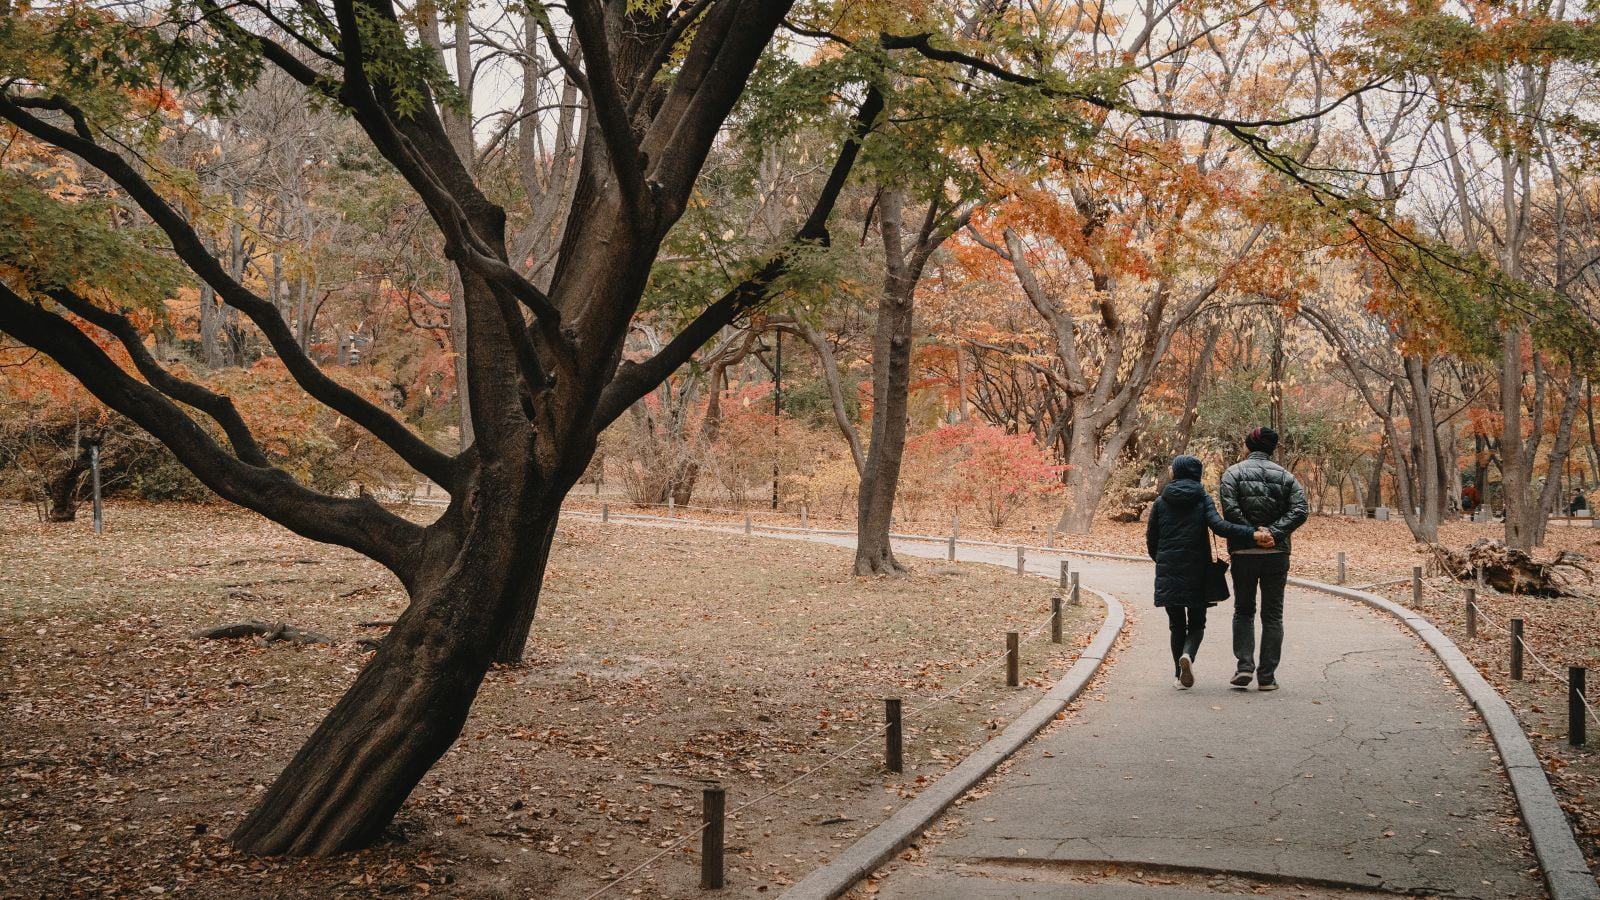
1366	774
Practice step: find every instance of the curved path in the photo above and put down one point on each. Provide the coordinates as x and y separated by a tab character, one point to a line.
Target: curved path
1367	773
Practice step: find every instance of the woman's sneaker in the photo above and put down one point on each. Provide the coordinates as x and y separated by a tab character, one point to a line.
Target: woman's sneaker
1178	683
1186	671
1241	679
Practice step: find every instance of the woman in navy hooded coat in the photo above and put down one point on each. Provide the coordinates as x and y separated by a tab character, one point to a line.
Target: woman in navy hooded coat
1177	540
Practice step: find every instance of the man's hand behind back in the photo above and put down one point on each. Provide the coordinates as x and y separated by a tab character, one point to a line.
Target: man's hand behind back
1264	539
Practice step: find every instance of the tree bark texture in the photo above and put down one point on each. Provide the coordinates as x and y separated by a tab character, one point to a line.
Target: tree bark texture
545	373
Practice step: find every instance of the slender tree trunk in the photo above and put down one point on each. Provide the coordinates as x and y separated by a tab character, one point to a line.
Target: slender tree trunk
891	370
1551	496
1375	482
1515	468
891	386
1425	501
61	494
1191	400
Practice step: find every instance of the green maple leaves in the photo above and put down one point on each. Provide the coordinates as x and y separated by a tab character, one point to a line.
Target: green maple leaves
51	244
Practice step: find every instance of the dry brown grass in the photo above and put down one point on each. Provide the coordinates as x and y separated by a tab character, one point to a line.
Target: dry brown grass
659	659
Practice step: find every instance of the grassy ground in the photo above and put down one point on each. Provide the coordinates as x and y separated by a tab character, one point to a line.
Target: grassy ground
660	661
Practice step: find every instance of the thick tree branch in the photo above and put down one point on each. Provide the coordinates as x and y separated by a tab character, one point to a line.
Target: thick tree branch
633	380
687	16
606	101
218	406
187	243
360	524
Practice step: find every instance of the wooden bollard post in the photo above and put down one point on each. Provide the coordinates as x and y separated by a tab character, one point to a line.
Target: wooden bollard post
1516	649
1472	613
1064	567
1339	578
1011	659
1019	561
671	505
714	803
955	527
1076	599
605	513
1416	586
1055	620
1050	539
952	551
1577	721
94	478
804	522
893	751
746	524
597	487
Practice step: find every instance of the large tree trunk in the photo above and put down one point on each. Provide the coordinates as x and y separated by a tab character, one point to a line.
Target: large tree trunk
514	638
1092	464
61	490
410	701
1087	487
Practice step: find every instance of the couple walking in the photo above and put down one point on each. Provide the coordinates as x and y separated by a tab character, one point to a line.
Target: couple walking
1262	504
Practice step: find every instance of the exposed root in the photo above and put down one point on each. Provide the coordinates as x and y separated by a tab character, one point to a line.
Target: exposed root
267	632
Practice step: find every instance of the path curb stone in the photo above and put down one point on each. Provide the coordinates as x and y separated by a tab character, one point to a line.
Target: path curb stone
1565	872
898	831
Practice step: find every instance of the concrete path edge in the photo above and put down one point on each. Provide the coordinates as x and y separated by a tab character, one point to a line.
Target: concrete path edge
897	832
1566	873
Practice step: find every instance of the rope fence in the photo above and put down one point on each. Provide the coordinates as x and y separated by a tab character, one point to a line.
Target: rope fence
1517	639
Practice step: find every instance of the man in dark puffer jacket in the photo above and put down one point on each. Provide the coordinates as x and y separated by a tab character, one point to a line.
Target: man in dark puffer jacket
1257	491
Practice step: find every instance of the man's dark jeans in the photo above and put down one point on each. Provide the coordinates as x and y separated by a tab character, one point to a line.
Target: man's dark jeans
1268	572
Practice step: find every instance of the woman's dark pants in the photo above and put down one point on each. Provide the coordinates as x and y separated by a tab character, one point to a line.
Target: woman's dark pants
1188	626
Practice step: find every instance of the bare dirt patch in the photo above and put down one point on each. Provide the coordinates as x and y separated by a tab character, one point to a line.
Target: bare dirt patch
661	660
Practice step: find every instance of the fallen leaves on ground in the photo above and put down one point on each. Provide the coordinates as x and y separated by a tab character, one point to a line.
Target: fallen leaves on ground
660	661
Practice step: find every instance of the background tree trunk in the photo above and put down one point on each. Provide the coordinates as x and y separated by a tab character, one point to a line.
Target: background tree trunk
1515	469
891	385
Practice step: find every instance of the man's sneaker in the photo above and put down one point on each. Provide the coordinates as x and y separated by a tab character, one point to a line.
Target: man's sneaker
1267	685
1186	671
1241	679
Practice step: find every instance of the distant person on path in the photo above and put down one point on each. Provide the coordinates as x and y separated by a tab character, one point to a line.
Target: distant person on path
1176	537
1469	498
1258	492
1579	502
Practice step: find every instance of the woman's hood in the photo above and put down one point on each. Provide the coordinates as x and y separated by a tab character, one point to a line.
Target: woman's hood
1183	493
